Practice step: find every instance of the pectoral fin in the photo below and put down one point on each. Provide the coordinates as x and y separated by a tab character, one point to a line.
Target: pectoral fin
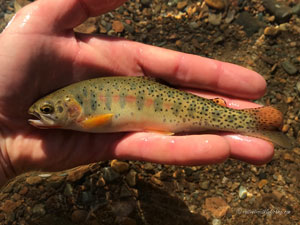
95	121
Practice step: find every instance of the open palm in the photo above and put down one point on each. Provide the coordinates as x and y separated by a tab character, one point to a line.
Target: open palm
41	53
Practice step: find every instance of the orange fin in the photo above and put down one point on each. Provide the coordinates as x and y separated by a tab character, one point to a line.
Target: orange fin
161	132
95	121
219	101
267	117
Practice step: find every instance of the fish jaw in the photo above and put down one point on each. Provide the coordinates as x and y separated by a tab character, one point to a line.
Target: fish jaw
39	122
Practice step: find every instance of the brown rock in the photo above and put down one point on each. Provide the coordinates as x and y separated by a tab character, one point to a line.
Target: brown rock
117	26
285	128
9	206
18	4
102	29
217	206
277	195
156	181
131	178
181	5
23	191
34	180
217	4
77	173
126	221
289	99
100	182
297	151
288	157
271	31
262	183
178	43
79	216
119	166
88	27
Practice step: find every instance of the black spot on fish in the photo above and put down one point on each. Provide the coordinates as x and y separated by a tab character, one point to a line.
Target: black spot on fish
60	109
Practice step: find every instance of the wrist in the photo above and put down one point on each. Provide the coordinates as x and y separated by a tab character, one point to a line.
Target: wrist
6	170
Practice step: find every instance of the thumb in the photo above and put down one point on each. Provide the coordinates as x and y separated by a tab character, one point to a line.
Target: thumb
44	16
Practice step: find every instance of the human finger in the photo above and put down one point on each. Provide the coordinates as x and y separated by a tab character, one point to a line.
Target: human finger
123	57
62	15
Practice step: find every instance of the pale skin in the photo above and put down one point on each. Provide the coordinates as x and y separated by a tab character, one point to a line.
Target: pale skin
41	53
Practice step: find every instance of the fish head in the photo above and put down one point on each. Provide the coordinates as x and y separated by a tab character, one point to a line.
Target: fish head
49	113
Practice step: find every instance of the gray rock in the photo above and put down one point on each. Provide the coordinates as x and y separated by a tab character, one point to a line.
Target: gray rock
68	190
193	25
281	12
109	174
289	67
86	197
296	9
129	28
39	210
242	192
215	19
205	185
249	23
79	216
230	16
298	86
216	222
146	2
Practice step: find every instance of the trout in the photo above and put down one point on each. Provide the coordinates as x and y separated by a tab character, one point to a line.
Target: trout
123	104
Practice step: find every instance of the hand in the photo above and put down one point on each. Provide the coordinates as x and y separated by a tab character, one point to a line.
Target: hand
40	54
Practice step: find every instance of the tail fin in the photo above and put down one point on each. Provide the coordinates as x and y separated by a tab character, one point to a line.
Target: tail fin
267	117
276	137
269	123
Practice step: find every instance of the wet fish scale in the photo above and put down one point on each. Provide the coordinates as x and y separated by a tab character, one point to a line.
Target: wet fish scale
116	104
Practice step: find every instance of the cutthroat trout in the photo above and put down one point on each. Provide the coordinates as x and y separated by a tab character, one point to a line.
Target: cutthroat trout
119	104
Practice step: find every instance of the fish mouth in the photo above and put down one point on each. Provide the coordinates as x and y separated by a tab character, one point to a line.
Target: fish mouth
39	122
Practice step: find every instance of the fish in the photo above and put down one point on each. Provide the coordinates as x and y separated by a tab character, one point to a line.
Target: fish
139	103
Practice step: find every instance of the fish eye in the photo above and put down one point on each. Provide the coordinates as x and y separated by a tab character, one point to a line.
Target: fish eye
47	109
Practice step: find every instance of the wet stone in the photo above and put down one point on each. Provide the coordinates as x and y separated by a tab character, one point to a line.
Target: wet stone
243	192
119	166
262	183
146	2
23	190
34	180
109	174
215	19
9	206
217	4
289	67
68	191
271	31
181	5
79	216
39	210
118	26
250	24
126	221
217	206
131	178
281	12
125	192
205	185
77	173
86	197
216	222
